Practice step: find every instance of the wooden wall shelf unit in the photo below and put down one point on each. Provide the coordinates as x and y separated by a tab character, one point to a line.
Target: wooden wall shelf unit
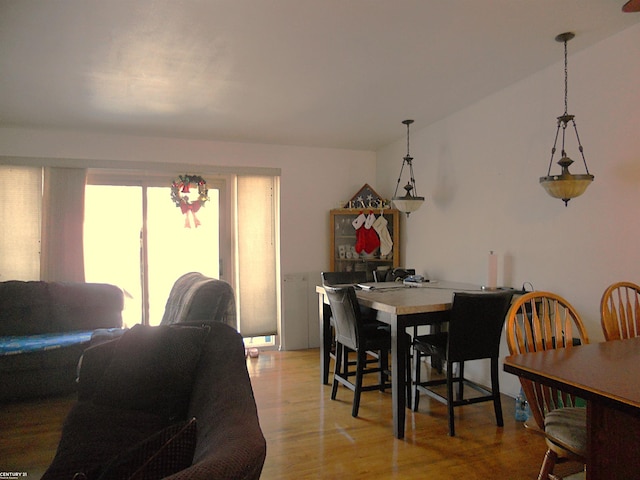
343	255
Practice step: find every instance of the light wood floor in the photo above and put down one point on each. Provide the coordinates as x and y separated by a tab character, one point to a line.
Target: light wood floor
310	436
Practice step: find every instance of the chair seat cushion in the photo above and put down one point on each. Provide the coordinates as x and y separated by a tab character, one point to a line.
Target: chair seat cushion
568	427
433	344
376	337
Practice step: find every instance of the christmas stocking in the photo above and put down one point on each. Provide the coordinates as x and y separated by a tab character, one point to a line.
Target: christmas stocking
386	244
358	224
371	240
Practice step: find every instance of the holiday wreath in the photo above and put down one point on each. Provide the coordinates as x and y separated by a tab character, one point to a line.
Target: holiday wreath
180	190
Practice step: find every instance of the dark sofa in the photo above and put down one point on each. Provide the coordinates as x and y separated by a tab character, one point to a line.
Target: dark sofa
173	401
44	328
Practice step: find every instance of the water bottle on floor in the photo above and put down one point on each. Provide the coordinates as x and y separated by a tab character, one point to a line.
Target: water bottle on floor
522	407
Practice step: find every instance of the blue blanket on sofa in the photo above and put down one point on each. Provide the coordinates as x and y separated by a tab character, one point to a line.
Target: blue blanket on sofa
13	345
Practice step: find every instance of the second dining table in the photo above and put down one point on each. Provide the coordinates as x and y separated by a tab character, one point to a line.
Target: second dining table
606	376
400	306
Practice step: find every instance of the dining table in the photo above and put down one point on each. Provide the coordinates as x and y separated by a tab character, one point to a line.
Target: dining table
401	305
607	376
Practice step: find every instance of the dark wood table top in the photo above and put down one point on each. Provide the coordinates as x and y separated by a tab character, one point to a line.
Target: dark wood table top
607	372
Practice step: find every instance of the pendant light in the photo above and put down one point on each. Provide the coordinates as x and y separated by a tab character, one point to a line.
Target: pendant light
566	185
408	203
631	6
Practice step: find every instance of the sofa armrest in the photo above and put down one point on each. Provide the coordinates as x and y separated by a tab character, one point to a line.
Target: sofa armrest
92	366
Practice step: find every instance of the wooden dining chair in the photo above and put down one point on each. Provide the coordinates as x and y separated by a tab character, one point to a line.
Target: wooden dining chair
620	311
474	330
544	321
356	335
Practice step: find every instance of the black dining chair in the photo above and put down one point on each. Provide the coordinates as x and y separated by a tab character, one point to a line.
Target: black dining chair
341	279
354	334
473	333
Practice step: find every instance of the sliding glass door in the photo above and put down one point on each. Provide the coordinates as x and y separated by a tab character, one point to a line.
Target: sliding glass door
136	238
112	226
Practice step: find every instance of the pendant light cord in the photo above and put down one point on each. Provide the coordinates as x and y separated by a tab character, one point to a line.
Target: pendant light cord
408	139
406	160
566	81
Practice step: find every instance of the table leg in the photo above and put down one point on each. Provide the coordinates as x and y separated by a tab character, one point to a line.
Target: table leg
436	360
399	348
324	312
613	443
398	373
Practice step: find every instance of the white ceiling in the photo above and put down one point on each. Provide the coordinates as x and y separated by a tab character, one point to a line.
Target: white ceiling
327	73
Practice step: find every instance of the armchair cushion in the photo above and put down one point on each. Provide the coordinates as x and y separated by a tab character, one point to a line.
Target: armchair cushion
91	367
153	370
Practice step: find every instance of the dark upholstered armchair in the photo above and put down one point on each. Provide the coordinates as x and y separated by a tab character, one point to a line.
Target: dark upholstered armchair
104	435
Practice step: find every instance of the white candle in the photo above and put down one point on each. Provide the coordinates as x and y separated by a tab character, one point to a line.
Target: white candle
493	270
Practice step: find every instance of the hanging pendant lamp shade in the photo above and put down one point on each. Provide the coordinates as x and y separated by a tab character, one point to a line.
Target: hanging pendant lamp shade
566	185
409	202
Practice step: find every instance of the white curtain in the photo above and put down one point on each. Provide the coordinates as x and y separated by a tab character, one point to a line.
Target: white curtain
62	222
257	257
20	204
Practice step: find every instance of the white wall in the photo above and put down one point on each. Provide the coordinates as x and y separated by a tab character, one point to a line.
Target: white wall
479	170
313	180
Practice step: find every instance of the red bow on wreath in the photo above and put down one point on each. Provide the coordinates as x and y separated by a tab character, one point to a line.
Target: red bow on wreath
181	185
193	208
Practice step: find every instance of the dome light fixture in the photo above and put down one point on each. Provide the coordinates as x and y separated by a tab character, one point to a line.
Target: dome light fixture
566	185
408	203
